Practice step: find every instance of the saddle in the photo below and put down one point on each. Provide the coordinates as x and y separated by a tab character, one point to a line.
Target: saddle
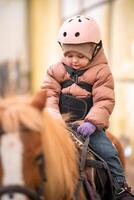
102	176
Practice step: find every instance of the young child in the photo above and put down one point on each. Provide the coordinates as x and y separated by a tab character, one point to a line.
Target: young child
82	84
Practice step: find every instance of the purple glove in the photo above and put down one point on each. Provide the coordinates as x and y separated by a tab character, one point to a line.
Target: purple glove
87	128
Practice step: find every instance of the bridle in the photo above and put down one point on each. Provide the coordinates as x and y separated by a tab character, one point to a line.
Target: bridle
12	189
38	194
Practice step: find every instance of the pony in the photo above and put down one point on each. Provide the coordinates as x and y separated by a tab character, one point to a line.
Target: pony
38	158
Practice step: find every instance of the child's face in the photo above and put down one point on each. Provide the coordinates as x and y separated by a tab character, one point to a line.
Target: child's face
76	60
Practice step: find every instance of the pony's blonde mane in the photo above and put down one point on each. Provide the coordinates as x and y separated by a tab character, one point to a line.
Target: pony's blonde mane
61	163
60	154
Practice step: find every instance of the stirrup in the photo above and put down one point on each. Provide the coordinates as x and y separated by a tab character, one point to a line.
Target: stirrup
125	189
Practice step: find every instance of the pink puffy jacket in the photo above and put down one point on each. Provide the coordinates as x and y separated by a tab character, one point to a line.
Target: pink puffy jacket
98	75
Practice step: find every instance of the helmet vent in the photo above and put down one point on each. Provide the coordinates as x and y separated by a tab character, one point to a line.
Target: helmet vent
87	18
79	20
70	20
65	34
77	34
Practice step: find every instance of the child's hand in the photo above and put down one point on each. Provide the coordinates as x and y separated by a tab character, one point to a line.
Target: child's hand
78	122
87	128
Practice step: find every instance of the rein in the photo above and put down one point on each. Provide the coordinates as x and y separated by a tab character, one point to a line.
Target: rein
97	163
88	188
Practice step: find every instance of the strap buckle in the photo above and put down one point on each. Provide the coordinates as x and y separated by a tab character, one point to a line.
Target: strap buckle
121	191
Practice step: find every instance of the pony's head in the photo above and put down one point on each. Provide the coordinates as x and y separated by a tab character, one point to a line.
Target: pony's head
21	162
37	156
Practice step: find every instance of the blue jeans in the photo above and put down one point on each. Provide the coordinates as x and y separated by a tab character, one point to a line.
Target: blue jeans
104	148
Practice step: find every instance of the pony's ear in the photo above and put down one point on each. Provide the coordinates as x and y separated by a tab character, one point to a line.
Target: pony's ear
39	99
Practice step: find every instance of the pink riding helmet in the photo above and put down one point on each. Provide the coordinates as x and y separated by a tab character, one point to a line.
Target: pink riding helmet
79	29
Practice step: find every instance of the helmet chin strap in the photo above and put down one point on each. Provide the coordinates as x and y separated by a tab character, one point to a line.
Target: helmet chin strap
96	49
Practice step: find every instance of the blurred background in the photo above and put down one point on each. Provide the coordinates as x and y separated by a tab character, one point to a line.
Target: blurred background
28	45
